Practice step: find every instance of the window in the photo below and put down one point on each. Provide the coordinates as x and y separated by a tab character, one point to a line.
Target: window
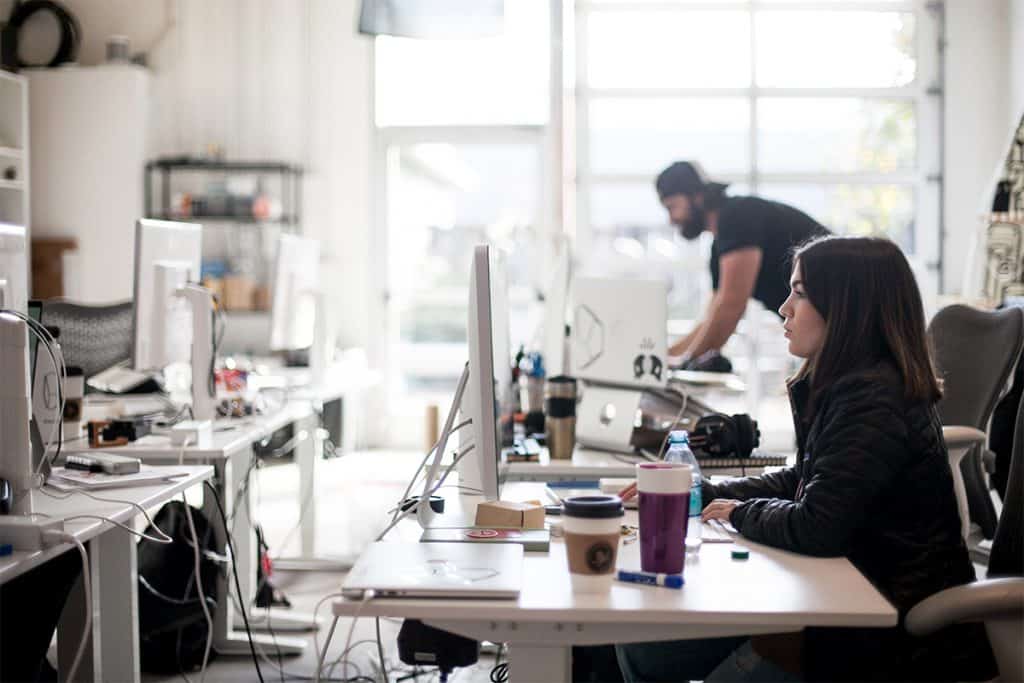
461	128
825	105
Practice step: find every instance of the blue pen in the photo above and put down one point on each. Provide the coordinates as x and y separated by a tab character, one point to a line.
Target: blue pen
651	578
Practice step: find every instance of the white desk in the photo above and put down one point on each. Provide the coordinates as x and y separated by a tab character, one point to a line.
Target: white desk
772	592
113	654
231	454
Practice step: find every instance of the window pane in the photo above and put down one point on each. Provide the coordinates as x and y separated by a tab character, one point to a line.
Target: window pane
500	80
668	49
835	135
835	49
443	200
886	210
645	136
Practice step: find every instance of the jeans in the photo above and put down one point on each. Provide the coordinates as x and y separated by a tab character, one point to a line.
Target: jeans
712	660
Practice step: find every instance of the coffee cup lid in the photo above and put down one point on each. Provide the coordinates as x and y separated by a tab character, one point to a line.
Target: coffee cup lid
592	507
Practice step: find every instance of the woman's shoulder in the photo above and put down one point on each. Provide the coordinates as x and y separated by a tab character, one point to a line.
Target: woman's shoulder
881	385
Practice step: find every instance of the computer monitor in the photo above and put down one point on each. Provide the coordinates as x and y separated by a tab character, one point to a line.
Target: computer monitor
168	255
13	268
555	301
294	299
490	371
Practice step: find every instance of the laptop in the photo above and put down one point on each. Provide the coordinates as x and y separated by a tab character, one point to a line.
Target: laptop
620	332
437	570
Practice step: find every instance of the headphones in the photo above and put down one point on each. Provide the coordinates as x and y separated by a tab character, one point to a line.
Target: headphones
723	435
653	369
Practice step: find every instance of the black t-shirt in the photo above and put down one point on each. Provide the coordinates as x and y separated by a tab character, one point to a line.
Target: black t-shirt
773	227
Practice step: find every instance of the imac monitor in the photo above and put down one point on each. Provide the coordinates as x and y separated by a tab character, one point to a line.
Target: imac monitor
490	373
168	255
13	268
620	331
295	283
555	301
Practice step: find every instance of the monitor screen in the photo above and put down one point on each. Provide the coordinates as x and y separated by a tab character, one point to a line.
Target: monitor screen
13	268
293	303
167	255
487	401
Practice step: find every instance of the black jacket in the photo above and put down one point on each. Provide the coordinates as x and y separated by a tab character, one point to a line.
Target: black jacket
872	482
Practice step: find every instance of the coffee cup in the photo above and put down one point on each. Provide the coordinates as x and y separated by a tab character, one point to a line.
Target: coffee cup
663	491
591	527
560	416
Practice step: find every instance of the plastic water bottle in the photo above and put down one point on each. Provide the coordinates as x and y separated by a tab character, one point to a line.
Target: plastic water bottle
679	452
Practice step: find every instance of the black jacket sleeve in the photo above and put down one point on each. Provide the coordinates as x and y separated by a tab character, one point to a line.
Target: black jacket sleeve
858	452
781	484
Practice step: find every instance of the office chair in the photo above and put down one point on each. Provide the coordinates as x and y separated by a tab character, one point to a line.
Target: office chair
975	352
93	338
999	599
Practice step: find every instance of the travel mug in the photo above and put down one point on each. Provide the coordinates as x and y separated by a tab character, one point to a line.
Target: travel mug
664	504
560	418
591	527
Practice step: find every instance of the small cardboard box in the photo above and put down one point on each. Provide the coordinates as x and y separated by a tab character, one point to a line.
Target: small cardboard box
503	513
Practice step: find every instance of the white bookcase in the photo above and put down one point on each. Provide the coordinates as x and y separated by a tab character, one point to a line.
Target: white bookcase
14	143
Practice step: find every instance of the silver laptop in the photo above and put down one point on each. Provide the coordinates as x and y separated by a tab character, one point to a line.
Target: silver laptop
437	570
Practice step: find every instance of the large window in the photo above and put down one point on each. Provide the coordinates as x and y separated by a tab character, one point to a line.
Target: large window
824	105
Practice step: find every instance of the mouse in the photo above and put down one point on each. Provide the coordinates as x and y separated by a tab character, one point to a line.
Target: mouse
6	497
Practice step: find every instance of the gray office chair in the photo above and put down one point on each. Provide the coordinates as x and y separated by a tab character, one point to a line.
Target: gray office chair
975	352
998	601
93	338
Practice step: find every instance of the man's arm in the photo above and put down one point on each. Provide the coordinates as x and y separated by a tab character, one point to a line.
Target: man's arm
679	348
738	272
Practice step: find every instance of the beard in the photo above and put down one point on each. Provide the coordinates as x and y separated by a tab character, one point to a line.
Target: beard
694	225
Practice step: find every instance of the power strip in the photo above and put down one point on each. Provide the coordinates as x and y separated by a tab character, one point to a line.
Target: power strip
29	534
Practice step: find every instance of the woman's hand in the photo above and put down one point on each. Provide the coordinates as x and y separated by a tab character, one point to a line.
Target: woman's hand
719	508
628	493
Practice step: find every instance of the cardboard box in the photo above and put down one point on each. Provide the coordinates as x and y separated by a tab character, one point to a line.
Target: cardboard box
503	513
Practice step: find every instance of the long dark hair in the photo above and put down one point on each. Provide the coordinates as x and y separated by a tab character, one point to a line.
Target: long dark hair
864	289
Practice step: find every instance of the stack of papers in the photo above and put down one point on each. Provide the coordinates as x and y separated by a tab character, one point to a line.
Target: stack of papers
64	479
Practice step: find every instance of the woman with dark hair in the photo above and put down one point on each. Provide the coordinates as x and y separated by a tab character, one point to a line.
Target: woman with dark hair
872	482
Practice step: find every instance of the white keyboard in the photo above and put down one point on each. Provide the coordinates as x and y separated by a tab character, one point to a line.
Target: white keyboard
717	531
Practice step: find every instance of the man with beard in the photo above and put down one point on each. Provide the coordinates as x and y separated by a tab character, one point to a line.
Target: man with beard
749	255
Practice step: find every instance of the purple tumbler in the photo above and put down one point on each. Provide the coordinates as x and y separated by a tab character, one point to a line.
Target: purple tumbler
664	490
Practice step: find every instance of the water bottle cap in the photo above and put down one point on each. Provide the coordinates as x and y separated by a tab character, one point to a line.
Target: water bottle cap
679	436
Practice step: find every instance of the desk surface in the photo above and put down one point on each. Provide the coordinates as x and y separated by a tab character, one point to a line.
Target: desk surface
774	590
85	529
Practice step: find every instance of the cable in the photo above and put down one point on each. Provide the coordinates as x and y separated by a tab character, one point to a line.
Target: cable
130	530
415	506
138	507
415	476
323	653
679	416
199	586
64	537
234	570
367	596
380	650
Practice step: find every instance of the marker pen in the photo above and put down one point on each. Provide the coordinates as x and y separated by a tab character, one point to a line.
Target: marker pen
651	578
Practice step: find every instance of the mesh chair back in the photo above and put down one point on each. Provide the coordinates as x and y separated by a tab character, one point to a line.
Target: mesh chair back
92	337
1007	556
975	352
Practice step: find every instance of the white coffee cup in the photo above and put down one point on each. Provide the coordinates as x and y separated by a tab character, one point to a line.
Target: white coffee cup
591	527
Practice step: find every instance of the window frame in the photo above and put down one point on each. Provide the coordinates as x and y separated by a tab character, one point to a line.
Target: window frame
924	92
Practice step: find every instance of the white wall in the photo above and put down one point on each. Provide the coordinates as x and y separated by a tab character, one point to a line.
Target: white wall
1016	60
977	127
264	79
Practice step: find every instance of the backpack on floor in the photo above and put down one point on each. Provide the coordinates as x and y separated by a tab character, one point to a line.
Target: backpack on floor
172	626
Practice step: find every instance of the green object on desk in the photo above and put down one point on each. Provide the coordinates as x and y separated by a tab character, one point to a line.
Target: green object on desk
740	553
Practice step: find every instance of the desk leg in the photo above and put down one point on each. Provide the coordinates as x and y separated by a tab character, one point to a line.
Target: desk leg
113	653
529	663
308	455
226	640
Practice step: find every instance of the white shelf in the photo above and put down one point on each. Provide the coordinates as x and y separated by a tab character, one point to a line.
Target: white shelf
11	153
12	184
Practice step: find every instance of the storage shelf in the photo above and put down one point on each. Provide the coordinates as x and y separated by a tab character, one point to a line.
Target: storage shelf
224	166
12	184
286	220
11	153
